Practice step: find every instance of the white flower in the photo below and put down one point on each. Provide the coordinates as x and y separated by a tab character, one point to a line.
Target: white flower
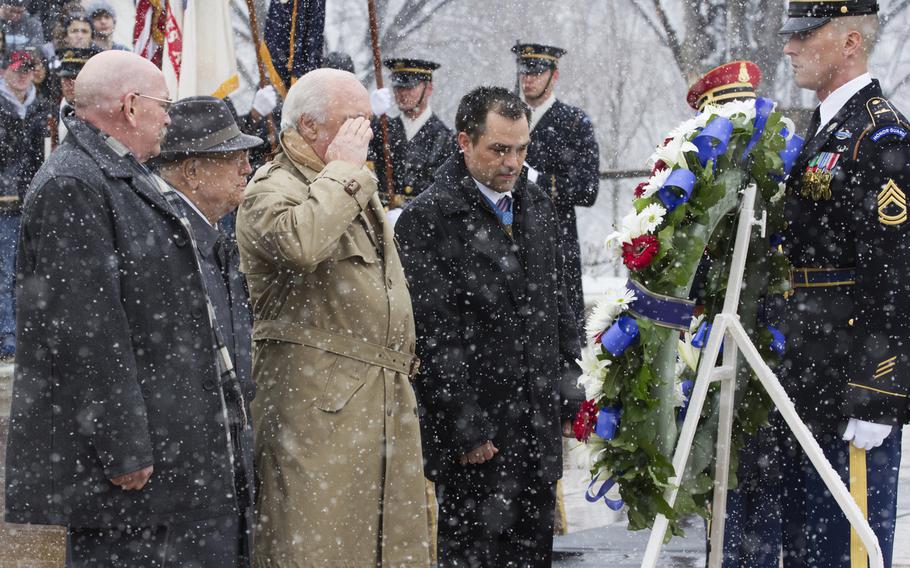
673	153
686	128
630	225
680	395
606	310
651	217
656	182
730	109
592	368
688	354
614	241
587	454
696	323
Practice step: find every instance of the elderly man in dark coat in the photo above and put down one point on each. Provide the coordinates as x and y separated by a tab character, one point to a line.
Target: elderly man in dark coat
123	410
496	338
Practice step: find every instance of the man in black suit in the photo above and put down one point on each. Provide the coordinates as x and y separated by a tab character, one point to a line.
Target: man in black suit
496	338
564	158
419	142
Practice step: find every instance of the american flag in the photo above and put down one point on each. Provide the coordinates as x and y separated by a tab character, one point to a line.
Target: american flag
149	30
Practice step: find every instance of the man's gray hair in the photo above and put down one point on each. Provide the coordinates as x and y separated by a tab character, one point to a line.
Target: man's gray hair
310	96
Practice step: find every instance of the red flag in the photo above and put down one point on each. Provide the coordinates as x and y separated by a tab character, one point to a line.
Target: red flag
150	28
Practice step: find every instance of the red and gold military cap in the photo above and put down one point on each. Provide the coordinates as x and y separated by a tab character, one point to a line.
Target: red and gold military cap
734	80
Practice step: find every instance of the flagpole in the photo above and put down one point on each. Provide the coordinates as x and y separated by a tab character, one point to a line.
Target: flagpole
383	120
263	80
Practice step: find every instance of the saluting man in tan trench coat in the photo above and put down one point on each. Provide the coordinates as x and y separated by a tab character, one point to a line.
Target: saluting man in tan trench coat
337	437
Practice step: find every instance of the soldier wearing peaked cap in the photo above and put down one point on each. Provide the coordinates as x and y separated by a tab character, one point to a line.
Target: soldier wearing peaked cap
564	158
419	142
847	368
71	62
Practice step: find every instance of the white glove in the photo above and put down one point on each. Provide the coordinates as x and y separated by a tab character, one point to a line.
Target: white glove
265	100
866	435
532	173
381	101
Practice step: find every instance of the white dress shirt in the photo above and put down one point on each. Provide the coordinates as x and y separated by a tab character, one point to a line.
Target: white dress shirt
491	194
537	113
836	100
412	127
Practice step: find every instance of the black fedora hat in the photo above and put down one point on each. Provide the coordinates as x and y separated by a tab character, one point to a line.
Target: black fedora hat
200	126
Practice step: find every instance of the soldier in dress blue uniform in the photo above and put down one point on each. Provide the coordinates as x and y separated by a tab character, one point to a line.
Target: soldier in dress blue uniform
564	158
847	366
419	142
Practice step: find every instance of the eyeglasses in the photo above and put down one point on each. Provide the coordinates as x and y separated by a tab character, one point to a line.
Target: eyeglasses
165	103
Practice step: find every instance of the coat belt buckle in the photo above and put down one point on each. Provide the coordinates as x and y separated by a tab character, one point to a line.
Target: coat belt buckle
415	368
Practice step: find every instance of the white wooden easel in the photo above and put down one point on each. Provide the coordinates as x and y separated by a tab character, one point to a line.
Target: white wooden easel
728	329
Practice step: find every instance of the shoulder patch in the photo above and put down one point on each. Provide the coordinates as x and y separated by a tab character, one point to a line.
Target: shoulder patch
881	111
890	130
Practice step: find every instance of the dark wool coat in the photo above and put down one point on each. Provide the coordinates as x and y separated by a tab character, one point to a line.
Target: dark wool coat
496	337
115	369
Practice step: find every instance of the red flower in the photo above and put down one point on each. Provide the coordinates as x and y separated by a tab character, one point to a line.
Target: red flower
585	421
640	189
640	252
658	165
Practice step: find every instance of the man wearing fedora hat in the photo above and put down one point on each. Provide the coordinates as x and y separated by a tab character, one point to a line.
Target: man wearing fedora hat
205	159
847	367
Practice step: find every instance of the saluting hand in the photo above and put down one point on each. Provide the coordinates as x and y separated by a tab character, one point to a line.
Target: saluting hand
351	143
134	480
480	455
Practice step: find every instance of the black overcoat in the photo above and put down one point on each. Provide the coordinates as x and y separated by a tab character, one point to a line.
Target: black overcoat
495	334
115	369
565	152
847	345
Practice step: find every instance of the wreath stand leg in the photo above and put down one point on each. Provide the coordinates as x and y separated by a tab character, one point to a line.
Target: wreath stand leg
729	330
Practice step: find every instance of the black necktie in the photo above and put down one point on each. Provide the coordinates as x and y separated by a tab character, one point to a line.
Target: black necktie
814	123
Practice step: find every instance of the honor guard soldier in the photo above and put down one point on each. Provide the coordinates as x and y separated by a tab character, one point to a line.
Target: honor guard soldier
419	142
847	366
564	158
71	62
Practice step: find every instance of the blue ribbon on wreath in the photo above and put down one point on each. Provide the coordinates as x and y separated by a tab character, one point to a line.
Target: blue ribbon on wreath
686	387
763	108
677	189
713	139
608	422
620	335
778	341
594	497
790	151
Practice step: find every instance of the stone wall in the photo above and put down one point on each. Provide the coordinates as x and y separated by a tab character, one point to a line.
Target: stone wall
23	546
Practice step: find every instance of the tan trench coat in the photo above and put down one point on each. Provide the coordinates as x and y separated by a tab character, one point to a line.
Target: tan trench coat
337	438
